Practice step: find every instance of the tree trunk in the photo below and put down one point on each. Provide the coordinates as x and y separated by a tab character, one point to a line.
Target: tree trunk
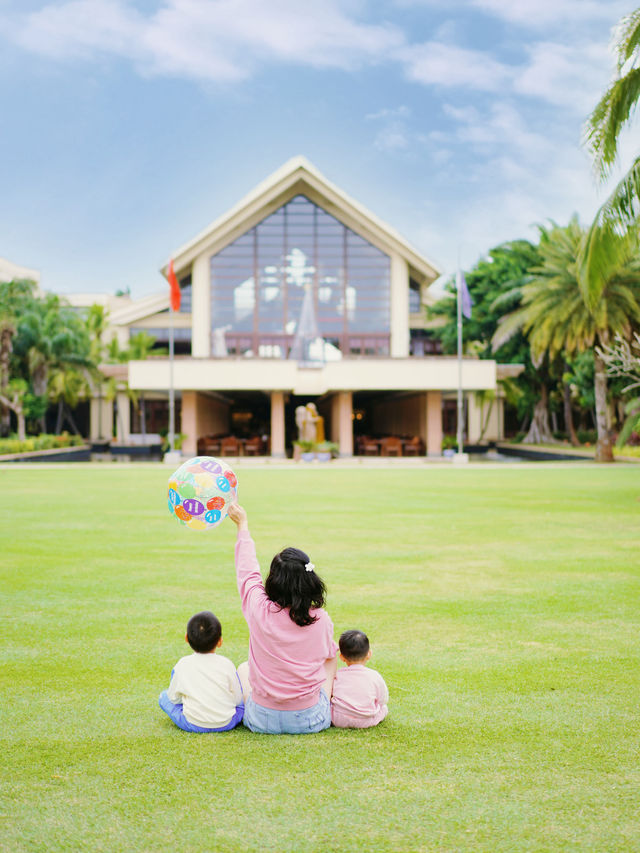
22	429
539	431
6	342
58	429
604	449
143	418
568	415
71	420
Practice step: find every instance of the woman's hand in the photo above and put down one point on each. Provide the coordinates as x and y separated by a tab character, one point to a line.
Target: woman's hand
238	515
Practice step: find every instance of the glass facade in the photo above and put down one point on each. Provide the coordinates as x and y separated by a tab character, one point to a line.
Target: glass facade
259	283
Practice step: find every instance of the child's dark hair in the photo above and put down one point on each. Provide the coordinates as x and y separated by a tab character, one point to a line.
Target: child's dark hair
289	584
354	645
204	631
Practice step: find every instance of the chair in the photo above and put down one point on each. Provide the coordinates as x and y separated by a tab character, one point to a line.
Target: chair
208	445
391	446
230	446
370	446
254	446
414	446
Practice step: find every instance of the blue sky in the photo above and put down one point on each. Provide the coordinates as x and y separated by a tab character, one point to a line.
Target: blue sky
129	125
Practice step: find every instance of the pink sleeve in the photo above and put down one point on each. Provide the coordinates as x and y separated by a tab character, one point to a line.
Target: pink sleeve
331	643
247	570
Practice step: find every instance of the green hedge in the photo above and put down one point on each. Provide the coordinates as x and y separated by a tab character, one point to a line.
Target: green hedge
39	442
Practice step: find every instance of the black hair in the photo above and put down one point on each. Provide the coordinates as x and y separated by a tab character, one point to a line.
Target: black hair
289	584
354	645
204	631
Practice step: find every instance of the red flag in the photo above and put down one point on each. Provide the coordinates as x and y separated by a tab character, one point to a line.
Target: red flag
175	287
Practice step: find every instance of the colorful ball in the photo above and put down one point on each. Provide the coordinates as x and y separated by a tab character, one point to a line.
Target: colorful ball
200	492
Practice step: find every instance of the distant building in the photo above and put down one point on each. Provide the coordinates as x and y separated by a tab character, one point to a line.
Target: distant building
299	294
10	271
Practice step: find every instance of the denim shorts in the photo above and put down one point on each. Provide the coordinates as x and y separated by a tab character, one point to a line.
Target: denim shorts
270	721
177	715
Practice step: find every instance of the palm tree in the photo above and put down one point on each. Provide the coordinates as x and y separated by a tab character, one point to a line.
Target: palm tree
14	297
620	211
50	337
560	322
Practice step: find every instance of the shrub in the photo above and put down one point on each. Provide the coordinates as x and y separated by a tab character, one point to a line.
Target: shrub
39	442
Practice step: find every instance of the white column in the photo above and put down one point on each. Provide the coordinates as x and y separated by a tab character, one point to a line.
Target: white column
399	307
201	307
345	430
434	423
123	421
101	419
277	424
474	418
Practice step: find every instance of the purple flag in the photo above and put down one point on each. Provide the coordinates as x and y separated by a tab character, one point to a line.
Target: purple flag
463	294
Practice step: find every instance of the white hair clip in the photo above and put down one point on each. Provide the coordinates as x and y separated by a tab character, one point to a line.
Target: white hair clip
309	567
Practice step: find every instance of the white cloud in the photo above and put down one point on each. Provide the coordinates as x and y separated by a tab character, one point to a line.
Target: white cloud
214	40
450	66
538	14
566	76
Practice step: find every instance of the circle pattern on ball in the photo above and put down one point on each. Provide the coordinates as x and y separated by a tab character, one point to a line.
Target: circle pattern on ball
200	492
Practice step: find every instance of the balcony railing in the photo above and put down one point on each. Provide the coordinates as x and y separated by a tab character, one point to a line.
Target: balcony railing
279	346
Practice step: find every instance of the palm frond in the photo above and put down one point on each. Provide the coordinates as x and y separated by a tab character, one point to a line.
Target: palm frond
508	326
627	37
610	115
612	237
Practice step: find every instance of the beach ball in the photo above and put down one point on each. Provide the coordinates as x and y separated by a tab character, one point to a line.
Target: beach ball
200	492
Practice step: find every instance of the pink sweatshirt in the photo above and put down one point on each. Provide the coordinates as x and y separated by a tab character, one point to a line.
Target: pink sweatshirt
286	661
360	697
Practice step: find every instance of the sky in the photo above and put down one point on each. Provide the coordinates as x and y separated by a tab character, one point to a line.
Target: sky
129	125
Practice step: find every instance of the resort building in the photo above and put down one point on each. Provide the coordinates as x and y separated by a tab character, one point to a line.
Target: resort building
298	295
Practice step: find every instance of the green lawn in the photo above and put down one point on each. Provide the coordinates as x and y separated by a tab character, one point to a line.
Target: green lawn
502	606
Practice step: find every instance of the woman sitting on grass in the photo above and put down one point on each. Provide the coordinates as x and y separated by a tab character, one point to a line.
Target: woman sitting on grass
292	654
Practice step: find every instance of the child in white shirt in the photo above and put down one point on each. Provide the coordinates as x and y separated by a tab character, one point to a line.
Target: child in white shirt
360	695
205	693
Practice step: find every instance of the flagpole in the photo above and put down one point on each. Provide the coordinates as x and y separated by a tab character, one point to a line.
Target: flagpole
172	402
460	400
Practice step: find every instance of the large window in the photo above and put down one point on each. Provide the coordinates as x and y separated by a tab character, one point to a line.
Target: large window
260	281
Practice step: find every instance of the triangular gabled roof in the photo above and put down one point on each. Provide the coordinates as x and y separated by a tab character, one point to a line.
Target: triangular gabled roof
299	177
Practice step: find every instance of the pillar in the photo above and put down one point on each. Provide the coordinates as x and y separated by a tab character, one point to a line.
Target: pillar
189	422
434	423
201	308
101	419
277	424
335	418
399	307
345	423
475	411
123	419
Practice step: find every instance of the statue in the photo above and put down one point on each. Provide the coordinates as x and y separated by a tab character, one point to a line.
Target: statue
310	424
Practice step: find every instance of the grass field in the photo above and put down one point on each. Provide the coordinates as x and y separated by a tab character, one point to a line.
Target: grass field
502	606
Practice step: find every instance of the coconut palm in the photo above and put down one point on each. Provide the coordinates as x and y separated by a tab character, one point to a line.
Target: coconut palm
50	337
14	297
560	322
620	212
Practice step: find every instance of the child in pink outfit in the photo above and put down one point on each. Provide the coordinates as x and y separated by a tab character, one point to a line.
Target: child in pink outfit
292	653
360	695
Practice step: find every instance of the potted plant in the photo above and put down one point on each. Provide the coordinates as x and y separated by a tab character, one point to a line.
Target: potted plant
305	449
325	450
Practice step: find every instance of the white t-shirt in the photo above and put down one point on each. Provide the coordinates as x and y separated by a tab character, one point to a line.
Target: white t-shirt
208	687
